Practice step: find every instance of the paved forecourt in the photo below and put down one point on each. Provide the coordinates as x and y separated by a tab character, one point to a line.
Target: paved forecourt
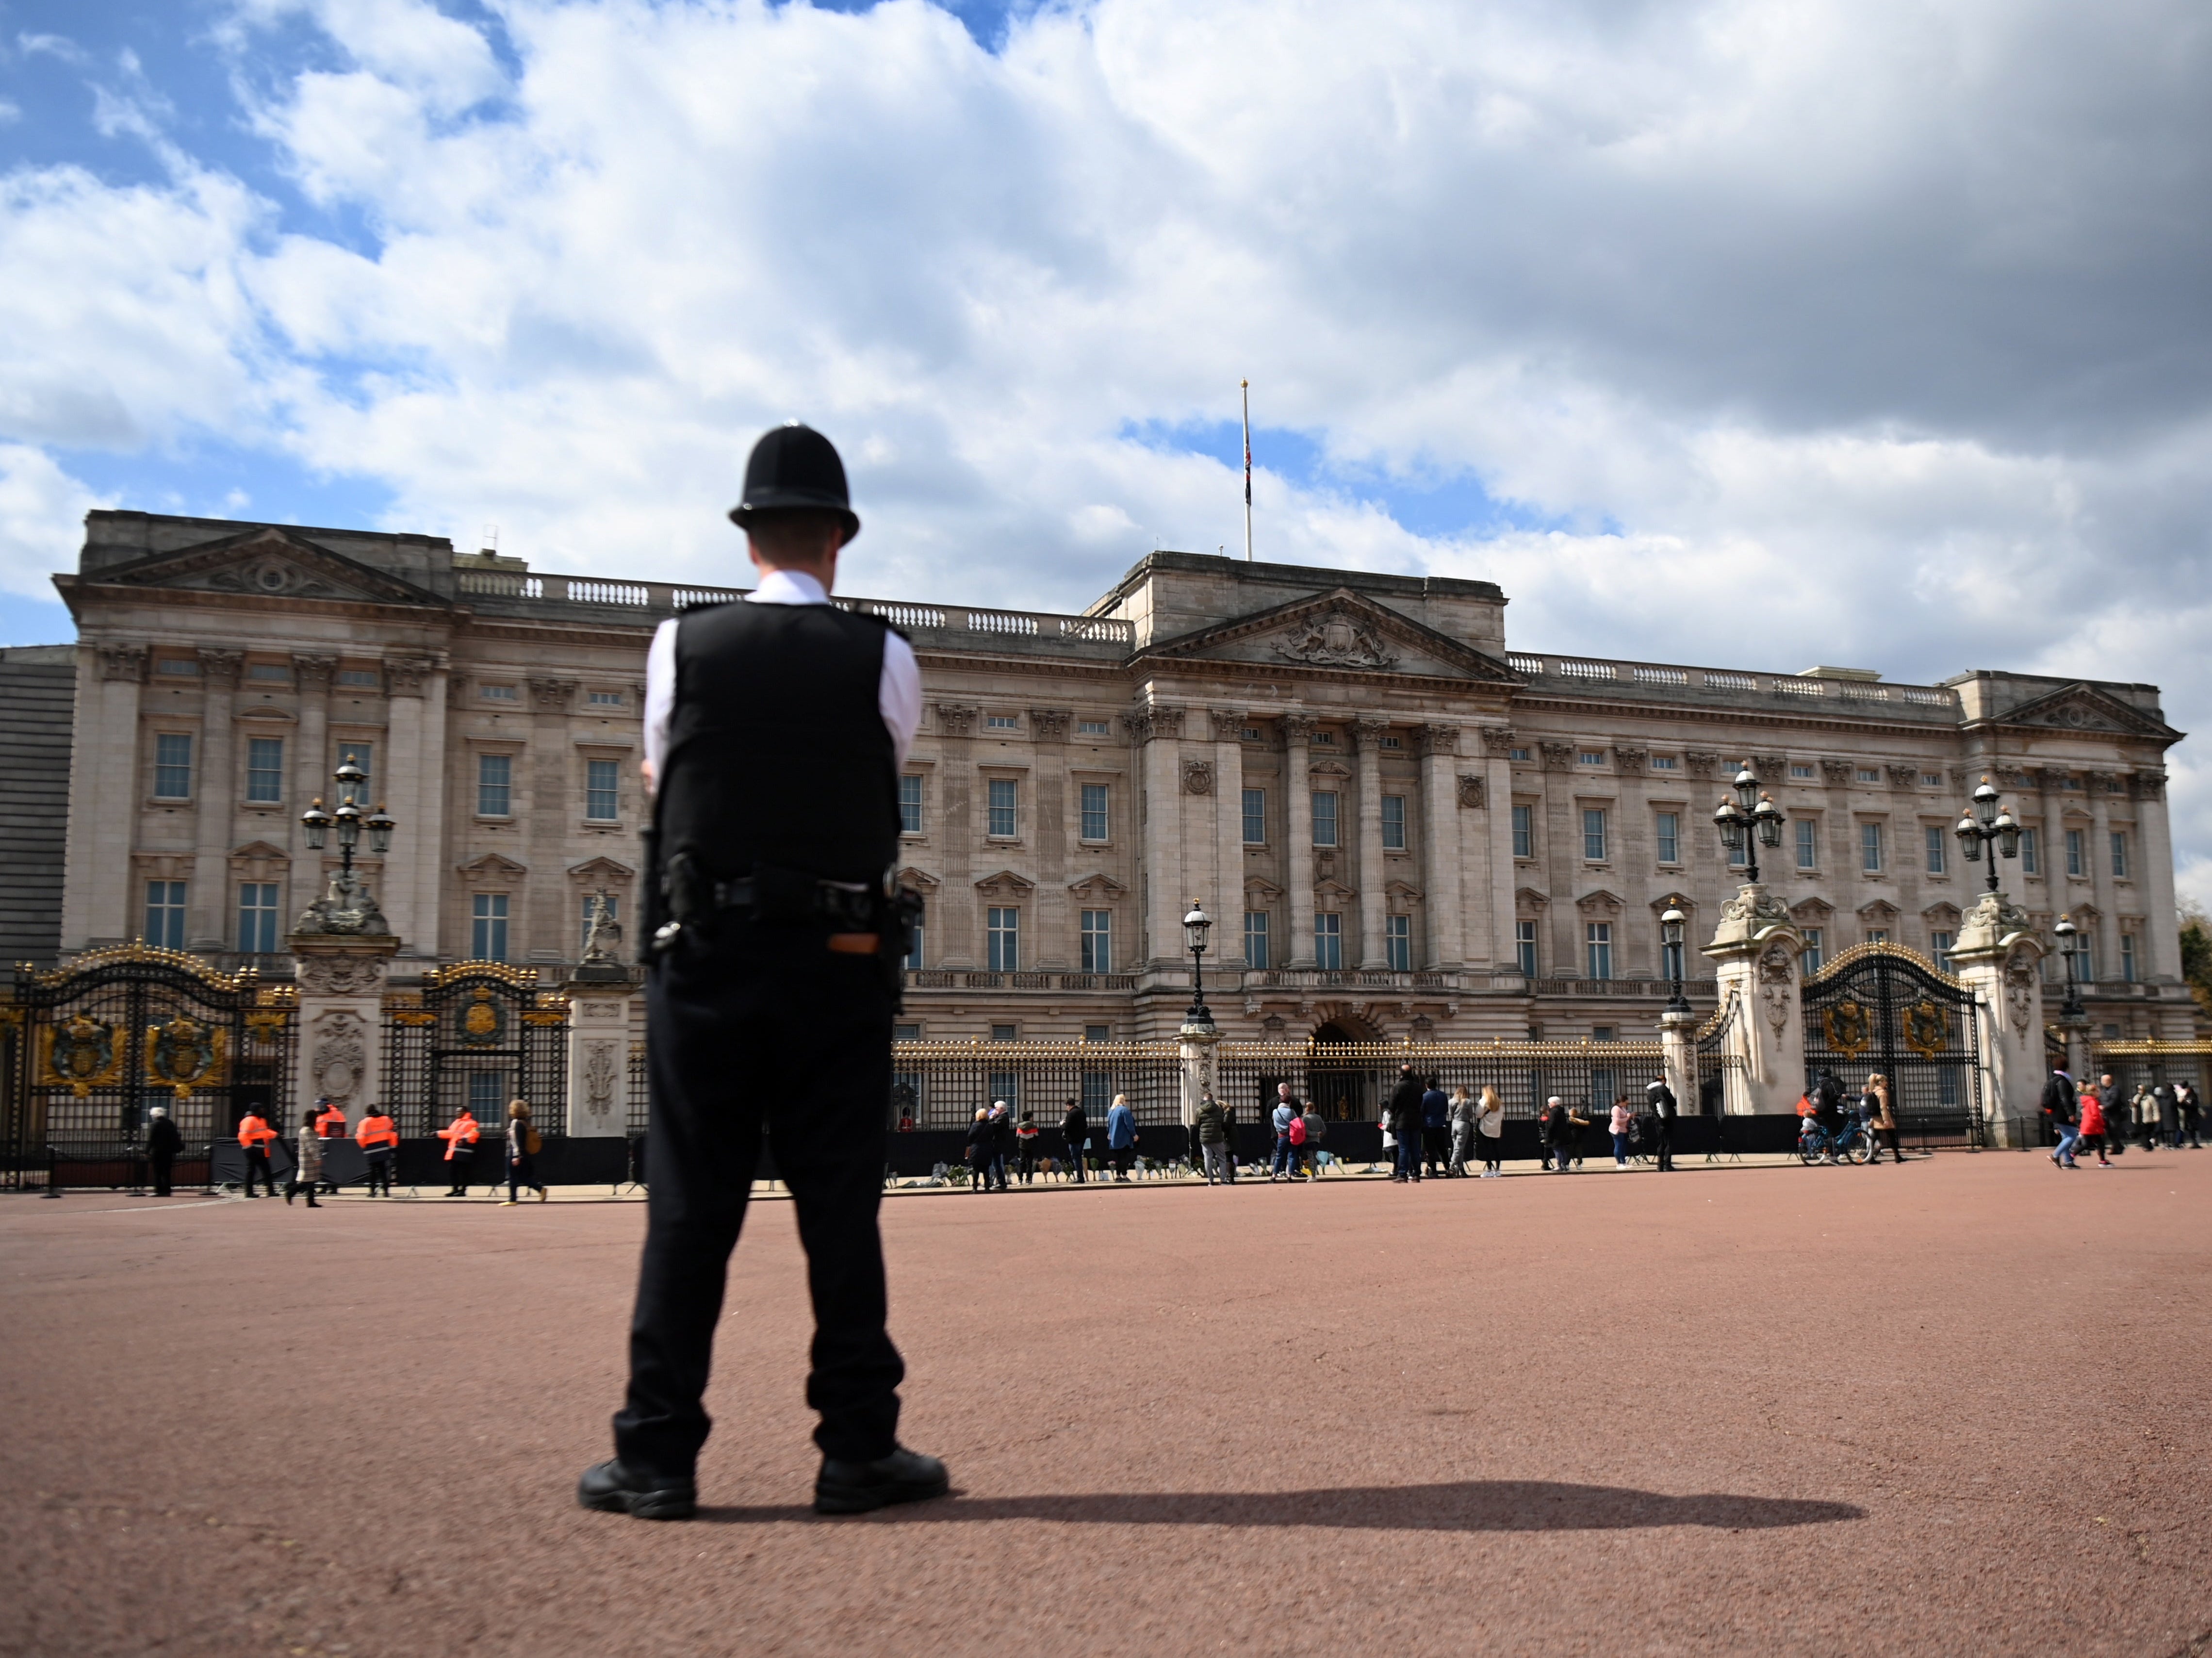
1958	1406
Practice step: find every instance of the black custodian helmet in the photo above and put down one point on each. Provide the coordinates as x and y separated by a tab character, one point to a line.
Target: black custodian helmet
794	467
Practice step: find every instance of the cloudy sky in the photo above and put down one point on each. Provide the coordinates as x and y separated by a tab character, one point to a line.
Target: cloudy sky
1860	331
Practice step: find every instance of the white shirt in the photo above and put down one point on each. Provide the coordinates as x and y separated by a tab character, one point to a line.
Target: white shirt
898	694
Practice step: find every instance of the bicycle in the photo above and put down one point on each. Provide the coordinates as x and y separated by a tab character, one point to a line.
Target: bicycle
1853	1143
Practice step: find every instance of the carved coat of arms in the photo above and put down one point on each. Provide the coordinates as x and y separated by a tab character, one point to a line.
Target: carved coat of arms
482	1018
80	1054
183	1053
1335	639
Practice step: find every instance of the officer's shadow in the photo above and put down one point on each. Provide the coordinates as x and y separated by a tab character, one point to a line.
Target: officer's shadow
1473	1505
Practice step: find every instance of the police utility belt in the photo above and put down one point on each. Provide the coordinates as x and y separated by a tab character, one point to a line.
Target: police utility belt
855	915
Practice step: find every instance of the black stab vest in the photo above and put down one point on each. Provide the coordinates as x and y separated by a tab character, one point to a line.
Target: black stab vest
777	750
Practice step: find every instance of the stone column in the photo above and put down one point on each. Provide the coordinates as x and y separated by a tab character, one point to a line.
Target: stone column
1159	733
550	922
1503	875
2162	931
1367	740
2100	873
307	769
1444	795
1561	858
215	799
1999	955
1678	1044
2050	854
599	996
1228	901
956	936
1054	832
1297	834
106	793
405	773
1754	955
340	1051
1199	1039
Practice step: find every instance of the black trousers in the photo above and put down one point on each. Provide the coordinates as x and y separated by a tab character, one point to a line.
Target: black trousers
764	1028
379	1170
162	1163
1075	1158
257	1164
1663	1143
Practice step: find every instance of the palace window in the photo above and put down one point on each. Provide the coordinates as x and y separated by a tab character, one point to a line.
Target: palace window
1524	947
1590	757
909	804
1516	754
1327	737
1799	772
165	914
603	699
1664	762
265	771
1097	941
2077	854
914	953
1394	822
1002	722
584	931
366	677
1249	733
1935	849
1870	848
1398	943
1256	939
1328	941
257	917
1094	728
1098	1032
2120	854
602	790
499	694
1597	949
2127	956
1324	818
488	926
1094	811
1808	844
1394	742
1877	935
1002	939
183	667
494	792
2031	853
1256	817
173	766
1670	837
1869	774
1002	822
1810	957
270	673
1594	835
1938	946
1931	780
1524	831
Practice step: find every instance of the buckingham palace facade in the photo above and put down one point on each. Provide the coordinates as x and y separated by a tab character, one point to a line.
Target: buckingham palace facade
1403	824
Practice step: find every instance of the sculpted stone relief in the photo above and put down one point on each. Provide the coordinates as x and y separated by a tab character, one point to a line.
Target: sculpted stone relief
1778	974
600	1071
340	976
339	1047
1335	639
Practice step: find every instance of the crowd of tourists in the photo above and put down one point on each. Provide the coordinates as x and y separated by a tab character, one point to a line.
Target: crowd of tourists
324	1126
2105	1117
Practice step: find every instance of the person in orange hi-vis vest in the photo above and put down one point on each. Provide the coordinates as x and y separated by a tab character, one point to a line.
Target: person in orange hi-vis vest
379	1137
460	1136
254	1134
330	1124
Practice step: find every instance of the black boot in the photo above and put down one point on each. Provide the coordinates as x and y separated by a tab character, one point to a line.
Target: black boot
615	1488
904	1476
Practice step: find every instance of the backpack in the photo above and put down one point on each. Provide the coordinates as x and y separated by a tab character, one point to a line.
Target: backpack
1297	1131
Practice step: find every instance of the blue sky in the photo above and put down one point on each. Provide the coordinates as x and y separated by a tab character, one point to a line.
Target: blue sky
1872	330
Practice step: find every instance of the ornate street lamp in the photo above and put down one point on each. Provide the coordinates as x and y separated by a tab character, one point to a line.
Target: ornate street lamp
347	907
1195	927
1984	823
2069	946
1670	937
1750	821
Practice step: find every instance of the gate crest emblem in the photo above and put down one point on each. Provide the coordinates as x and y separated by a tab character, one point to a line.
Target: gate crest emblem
1849	1028
482	1019
183	1054
80	1055
1927	1030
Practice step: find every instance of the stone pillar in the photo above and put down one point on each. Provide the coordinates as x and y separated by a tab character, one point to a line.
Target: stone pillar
215	799
1199	1041
1054	831
307	769
106	793
341	981
1228	901
1562	856
2161	929
1678	1044
548	921
1367	738
1754	955
955	938
1999	955
1158	732
1297	834
2099	855
1503	875
398	787
1444	795
599	997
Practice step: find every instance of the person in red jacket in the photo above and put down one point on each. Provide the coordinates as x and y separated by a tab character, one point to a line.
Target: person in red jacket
460	1136
330	1124
254	1134
2092	1127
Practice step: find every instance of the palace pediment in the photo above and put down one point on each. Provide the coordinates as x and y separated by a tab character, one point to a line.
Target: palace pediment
1339	631
270	562
2083	708
600	868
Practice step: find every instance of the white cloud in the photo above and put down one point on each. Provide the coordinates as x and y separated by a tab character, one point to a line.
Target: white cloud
1866	331
42	512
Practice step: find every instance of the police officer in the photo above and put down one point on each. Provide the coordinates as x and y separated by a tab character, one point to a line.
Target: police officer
775	730
1660	1103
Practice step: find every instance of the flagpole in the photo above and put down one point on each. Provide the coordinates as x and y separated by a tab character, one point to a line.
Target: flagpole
1246	387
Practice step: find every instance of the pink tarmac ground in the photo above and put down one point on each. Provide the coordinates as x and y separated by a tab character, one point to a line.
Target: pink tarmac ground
1956	1407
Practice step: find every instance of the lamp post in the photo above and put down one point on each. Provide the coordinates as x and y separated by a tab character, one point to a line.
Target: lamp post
1195	927
1670	937
2069	946
1750	821
1984	824
348	909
